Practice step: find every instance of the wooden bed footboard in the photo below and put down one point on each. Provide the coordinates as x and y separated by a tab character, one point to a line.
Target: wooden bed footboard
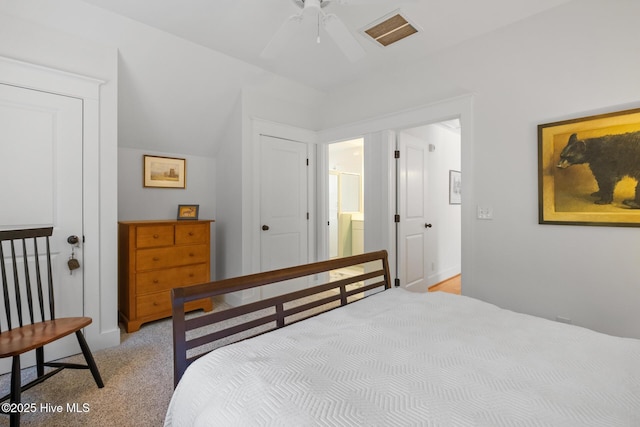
194	337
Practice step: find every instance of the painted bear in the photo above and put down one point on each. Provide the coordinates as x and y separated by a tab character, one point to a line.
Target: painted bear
610	158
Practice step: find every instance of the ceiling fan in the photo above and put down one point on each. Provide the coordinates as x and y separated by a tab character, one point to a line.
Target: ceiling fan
334	27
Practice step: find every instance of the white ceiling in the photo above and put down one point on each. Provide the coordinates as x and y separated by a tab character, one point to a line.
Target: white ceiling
242	28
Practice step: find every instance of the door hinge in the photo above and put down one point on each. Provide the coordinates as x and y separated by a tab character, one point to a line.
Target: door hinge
396	282
396	154
307	162
307	215
396	218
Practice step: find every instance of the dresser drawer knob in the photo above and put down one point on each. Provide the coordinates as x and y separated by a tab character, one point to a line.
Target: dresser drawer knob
156	281
156	236
191	233
155	258
192	254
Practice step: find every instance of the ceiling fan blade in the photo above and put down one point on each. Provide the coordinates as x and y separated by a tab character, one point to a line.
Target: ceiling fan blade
343	37
279	41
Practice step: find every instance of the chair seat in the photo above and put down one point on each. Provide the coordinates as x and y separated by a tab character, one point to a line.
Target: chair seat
29	337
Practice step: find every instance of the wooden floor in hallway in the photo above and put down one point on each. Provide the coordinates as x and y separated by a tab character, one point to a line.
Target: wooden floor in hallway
451	285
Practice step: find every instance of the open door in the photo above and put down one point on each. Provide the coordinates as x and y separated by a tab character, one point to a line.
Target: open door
429	230
412	209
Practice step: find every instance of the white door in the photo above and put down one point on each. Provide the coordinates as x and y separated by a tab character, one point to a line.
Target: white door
414	225
283	209
41	158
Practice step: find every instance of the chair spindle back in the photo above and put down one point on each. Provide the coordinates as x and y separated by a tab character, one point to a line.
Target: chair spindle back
23	282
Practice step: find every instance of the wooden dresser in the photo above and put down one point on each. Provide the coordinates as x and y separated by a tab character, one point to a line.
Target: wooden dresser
153	258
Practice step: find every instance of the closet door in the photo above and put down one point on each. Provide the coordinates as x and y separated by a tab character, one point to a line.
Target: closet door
41	163
283	209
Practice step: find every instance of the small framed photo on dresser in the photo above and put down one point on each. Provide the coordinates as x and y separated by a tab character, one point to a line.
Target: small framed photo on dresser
188	212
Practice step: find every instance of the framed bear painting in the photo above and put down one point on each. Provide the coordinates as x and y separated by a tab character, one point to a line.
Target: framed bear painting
589	170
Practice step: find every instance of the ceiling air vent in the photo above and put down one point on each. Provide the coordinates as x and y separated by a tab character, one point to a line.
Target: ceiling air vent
391	29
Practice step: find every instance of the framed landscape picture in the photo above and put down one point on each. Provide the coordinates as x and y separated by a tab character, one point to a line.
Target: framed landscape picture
164	172
589	170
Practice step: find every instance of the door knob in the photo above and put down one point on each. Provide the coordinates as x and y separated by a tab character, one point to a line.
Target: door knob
73	240
428	226
265	227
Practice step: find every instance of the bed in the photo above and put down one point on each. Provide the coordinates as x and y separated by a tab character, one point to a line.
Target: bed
401	358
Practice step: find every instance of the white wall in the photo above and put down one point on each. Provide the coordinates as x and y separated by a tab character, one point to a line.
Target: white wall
573	61
346	158
229	201
174	95
137	202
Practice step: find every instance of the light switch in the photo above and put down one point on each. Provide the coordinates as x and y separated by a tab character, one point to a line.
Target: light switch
485	212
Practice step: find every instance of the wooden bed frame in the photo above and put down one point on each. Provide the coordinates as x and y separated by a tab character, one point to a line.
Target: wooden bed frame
274	313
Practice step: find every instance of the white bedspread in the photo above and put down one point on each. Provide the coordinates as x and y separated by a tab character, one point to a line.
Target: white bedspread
401	359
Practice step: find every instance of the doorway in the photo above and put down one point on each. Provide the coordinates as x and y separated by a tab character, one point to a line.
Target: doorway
429	237
346	202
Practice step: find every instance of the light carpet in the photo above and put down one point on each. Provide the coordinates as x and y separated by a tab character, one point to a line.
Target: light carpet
138	384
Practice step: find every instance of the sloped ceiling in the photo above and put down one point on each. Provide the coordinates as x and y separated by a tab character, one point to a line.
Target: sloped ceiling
242	28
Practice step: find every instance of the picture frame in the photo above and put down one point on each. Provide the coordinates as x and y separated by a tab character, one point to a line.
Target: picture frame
164	172
188	212
455	187
589	170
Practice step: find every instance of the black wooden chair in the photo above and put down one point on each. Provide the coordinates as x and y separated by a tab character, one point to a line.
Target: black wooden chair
31	291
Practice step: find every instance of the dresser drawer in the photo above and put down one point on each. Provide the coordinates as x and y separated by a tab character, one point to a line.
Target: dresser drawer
166	279
154	236
147	259
154	304
191	233
158	305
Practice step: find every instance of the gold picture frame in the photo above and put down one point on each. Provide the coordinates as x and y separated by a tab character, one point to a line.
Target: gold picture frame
589	170
164	172
188	212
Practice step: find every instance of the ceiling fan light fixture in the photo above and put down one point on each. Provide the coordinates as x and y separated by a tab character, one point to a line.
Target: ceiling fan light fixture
311	3
390	29
312	7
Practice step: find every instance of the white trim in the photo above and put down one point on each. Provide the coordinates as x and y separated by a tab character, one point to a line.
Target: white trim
322	205
102	332
38	77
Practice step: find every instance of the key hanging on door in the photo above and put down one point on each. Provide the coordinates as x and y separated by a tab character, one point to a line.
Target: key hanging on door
73	263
